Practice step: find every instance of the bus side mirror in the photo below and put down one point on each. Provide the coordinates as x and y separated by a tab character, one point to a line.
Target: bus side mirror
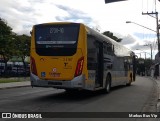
30	32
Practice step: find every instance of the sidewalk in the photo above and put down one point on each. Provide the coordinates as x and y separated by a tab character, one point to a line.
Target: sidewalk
158	84
25	83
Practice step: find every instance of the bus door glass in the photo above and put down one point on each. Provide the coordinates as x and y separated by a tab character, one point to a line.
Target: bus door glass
95	60
99	73
91	57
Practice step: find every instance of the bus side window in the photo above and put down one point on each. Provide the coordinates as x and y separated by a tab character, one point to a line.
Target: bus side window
108	48
113	49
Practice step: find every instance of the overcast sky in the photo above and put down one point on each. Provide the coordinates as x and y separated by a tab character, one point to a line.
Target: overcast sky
21	15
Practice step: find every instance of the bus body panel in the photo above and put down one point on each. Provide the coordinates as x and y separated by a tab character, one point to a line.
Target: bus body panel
75	83
57	68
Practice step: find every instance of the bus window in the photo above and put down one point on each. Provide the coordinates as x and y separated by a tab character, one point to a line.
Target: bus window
113	49
108	48
56	40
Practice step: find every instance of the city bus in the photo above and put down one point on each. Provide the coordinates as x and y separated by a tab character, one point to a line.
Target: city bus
66	55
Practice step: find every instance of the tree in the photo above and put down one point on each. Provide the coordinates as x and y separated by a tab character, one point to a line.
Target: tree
22	47
143	65
110	34
5	41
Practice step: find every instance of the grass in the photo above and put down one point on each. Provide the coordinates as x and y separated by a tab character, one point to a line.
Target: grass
16	79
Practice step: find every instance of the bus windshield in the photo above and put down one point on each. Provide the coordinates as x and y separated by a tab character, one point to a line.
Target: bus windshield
57	39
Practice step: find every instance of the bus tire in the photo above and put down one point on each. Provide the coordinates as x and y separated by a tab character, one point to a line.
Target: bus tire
108	84
130	81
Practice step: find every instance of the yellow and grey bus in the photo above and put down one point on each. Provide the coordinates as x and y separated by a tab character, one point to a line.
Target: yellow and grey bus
68	56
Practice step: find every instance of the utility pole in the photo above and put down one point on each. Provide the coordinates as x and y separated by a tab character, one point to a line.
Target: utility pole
151	51
150	45
142	52
157	25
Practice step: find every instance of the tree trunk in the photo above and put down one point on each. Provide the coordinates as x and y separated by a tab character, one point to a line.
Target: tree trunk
5	67
24	66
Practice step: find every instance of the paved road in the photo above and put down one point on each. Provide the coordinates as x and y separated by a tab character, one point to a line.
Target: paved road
140	97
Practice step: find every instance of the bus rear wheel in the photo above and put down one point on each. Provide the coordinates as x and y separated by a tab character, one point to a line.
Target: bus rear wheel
108	84
130	81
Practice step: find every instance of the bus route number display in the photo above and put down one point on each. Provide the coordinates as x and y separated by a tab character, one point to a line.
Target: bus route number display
56	30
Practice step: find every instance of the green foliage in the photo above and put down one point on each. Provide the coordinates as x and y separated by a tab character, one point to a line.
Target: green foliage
148	63
5	40
12	44
143	65
110	34
8	80
5	30
22	46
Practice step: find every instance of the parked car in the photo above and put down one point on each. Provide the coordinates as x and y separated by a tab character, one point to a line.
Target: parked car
18	70
2	68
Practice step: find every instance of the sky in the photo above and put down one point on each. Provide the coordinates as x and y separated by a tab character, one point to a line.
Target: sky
21	15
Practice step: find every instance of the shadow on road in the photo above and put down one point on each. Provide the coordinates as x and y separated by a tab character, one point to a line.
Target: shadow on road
70	96
76	95
117	88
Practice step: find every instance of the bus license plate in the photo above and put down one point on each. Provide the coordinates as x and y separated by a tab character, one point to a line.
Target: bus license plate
54	74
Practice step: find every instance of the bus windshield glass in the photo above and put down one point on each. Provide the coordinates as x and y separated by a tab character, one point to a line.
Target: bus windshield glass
58	40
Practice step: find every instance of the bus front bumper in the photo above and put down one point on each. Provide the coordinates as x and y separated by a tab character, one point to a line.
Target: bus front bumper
75	83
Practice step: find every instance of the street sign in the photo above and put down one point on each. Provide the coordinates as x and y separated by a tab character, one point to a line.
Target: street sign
110	1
